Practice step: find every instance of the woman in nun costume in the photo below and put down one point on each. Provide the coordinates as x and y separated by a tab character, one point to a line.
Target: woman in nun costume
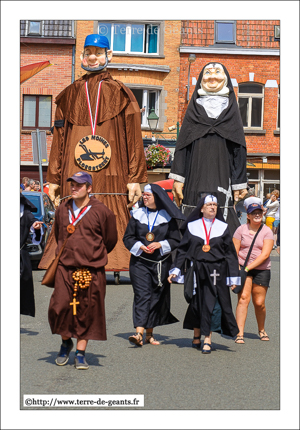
207	247
151	235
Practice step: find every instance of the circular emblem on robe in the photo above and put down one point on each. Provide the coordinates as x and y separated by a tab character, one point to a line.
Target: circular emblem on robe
92	153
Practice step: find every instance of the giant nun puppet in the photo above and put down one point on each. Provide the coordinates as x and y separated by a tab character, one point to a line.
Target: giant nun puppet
210	154
97	129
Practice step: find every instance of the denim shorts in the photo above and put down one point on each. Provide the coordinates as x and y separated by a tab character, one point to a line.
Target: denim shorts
260	277
276	223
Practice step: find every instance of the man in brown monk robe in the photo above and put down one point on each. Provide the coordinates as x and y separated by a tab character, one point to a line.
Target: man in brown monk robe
98	129
76	307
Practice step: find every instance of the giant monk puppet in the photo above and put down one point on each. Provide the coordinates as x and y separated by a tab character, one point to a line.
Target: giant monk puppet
97	129
210	153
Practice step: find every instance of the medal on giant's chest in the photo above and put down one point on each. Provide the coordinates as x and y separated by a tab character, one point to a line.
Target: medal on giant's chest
92	152
205	248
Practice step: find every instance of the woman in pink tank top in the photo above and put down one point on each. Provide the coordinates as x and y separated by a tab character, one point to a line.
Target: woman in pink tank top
258	268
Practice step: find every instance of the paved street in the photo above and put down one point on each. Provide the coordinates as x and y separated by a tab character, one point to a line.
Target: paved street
171	376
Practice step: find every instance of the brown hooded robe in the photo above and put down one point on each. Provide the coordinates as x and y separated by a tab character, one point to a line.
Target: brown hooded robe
118	121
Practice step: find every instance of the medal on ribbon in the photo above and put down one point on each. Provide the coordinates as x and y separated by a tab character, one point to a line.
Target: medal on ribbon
206	247
150	236
71	228
92	152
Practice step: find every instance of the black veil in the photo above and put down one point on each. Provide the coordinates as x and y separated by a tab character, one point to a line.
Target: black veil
197	214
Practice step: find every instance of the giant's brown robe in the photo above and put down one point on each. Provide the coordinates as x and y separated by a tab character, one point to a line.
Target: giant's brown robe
119	122
88	246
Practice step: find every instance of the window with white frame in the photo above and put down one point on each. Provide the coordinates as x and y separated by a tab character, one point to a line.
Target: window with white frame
131	38
147	99
36	112
250	100
278	109
225	32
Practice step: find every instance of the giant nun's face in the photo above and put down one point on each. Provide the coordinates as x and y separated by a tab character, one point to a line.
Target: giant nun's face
94	57
213	78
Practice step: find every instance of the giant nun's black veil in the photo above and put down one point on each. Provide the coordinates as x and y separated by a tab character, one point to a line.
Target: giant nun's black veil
197	124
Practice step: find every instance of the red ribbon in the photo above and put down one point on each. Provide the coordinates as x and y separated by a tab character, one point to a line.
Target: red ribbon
80	213
207	235
93	123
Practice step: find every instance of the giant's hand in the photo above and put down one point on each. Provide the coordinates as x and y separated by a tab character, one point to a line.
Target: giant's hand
177	192
239	194
134	193
54	193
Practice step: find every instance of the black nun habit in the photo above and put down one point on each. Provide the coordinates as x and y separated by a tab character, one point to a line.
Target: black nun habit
27	305
149	272
210	153
214	272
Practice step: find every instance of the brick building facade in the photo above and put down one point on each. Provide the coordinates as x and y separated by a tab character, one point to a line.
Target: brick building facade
250	52
52	41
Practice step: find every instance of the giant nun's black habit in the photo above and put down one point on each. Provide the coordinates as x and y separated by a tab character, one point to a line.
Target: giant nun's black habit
210	154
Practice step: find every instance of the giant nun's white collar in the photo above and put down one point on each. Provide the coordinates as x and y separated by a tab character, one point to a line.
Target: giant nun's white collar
196	228
141	215
213	105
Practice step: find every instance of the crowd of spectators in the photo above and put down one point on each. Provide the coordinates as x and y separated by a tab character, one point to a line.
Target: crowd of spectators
33	185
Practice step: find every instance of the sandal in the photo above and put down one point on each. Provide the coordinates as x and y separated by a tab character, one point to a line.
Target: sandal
196	345
150	339
240	340
263	335
206	351
137	339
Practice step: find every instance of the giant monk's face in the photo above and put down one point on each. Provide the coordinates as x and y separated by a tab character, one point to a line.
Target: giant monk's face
94	57
214	78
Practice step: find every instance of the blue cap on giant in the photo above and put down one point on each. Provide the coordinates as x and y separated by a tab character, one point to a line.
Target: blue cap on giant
96	40
81	178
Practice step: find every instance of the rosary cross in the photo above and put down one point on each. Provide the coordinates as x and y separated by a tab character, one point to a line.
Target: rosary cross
74	303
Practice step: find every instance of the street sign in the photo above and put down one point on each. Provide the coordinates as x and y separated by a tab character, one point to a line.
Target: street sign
43	146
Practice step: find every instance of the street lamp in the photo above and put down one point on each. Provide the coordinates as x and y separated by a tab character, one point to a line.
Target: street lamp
191	59
152	121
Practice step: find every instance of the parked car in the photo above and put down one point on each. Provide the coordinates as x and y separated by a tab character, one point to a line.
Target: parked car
45	211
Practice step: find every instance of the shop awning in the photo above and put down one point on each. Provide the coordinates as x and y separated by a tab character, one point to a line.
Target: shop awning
30	70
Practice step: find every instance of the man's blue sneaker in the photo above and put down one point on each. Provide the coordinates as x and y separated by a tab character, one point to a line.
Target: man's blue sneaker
80	362
63	355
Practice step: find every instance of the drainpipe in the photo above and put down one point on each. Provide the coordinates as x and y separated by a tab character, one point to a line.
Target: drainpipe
73	63
73	56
